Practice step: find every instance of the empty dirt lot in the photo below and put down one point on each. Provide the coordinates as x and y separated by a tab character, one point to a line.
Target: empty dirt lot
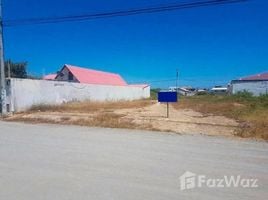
148	115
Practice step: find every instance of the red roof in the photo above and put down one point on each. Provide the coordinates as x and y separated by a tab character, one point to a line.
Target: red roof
50	77
262	76
90	76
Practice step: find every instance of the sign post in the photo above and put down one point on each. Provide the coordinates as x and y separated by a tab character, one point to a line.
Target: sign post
167	97
167	110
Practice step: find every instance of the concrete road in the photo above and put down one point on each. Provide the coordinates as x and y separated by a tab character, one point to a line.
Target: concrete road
67	162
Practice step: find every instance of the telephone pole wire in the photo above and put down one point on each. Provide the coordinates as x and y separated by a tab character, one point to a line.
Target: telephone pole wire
2	66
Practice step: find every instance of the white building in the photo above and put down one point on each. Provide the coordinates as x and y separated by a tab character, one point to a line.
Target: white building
185	91
255	84
219	90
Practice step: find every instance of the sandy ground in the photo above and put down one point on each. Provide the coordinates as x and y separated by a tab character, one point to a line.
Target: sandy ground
181	121
153	117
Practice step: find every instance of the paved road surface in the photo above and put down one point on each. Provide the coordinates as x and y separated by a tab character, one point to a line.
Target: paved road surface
67	162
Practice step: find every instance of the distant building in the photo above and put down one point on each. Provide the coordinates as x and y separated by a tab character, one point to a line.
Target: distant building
185	91
202	91
219	90
255	84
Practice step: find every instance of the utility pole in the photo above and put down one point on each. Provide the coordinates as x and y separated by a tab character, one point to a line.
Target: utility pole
177	77
9	69
2	66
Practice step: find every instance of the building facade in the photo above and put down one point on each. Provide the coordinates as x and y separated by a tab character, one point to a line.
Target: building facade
255	84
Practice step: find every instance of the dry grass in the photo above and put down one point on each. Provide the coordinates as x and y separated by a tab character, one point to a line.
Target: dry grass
251	112
87	107
102	114
108	120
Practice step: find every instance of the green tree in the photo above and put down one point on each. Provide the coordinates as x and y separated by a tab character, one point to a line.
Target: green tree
16	70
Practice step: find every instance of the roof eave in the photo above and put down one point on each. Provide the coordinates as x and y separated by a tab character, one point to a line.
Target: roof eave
257	80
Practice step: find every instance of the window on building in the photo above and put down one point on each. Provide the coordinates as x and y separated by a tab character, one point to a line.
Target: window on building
70	76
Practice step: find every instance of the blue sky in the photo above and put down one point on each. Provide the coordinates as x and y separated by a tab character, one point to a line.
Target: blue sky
209	45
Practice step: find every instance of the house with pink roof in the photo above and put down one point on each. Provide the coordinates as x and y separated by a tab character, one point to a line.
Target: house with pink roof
77	74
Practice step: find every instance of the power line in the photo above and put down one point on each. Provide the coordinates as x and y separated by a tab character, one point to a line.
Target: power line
182	79
119	13
153	81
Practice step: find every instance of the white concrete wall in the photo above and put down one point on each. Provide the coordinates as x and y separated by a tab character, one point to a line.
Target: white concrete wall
25	93
254	87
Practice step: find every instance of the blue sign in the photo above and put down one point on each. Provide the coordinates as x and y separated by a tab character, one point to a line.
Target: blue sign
167	97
